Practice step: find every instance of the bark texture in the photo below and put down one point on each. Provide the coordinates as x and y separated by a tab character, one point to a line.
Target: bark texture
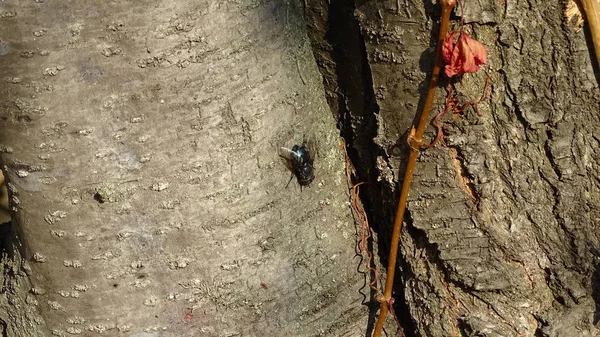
140	140
501	236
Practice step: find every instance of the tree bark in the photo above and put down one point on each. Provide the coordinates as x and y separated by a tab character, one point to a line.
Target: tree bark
500	237
140	142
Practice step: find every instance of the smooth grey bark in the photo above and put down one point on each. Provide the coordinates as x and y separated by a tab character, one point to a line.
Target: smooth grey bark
141	144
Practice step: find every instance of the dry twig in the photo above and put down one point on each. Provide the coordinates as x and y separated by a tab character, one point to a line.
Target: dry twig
592	16
415	140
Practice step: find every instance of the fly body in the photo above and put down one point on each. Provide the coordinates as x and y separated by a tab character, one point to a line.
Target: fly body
300	162
303	165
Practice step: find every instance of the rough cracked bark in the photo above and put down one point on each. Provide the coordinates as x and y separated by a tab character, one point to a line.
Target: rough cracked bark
501	237
142	146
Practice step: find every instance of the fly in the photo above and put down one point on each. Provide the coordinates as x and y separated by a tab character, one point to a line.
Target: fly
300	162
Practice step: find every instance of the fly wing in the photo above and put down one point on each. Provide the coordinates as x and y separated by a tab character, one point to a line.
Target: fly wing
312	146
288	157
287	153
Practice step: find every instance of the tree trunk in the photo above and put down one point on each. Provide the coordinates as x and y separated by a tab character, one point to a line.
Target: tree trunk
140	140
140	144
500	237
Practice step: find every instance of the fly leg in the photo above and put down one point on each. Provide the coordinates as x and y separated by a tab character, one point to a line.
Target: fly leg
289	181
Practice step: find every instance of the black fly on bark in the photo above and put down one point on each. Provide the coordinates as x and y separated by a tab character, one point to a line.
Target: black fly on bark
299	161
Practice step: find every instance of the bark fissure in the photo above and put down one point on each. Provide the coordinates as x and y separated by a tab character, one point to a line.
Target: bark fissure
3	327
465	178
339	48
552	161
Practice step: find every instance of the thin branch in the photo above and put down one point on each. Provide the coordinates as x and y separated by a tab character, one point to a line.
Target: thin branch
415	140
592	15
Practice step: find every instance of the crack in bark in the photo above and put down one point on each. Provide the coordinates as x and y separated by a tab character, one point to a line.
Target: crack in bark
339	47
516	109
462	172
539	332
556	193
3	328
550	157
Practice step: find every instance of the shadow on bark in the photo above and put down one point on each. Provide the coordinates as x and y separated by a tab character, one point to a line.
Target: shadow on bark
596	291
340	51
356	119
593	59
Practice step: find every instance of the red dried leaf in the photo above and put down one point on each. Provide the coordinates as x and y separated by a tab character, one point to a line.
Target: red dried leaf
447	48
463	57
